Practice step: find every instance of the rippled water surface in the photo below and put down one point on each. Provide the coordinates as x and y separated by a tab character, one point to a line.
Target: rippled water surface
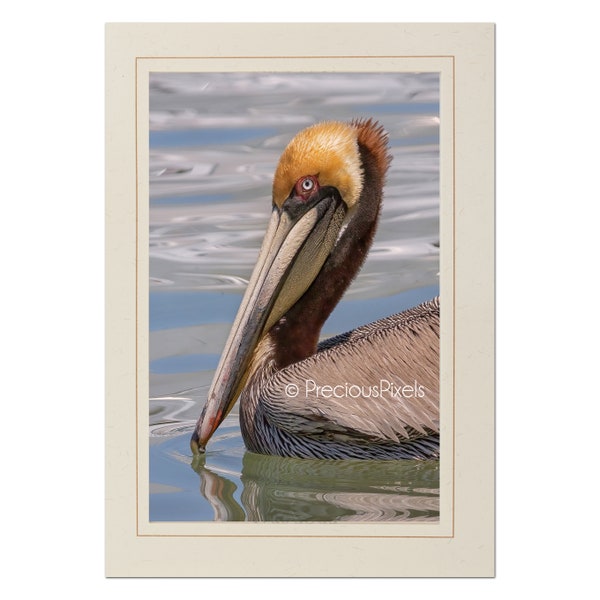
215	140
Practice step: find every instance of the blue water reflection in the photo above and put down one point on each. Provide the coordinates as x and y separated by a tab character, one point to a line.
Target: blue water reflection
203	137
186	307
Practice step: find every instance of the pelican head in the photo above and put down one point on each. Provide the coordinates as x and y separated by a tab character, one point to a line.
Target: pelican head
326	195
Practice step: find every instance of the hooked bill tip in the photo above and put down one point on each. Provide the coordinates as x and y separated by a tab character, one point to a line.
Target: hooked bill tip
195	445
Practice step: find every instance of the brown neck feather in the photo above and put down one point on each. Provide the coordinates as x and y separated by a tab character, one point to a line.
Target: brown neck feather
296	335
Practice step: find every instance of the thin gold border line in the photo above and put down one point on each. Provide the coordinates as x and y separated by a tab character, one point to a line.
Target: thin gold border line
199	535
284	57
137	300
295	535
453	292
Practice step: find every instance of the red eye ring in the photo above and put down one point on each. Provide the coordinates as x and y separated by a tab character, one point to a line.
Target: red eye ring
306	186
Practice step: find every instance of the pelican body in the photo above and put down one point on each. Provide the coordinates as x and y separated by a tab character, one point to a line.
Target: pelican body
372	393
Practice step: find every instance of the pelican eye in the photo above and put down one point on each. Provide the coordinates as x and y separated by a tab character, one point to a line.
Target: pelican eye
306	186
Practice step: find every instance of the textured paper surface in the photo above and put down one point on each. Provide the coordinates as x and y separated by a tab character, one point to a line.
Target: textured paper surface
462	543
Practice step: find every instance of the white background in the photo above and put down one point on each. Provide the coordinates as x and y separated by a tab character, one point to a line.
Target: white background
52	250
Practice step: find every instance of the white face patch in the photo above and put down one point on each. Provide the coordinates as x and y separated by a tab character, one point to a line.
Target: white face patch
349	216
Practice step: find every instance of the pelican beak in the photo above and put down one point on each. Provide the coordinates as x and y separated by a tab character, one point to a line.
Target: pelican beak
297	243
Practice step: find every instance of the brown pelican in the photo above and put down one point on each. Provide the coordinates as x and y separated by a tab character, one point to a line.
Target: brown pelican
372	393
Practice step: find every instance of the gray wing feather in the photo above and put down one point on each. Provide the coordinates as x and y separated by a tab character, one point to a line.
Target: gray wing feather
377	383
